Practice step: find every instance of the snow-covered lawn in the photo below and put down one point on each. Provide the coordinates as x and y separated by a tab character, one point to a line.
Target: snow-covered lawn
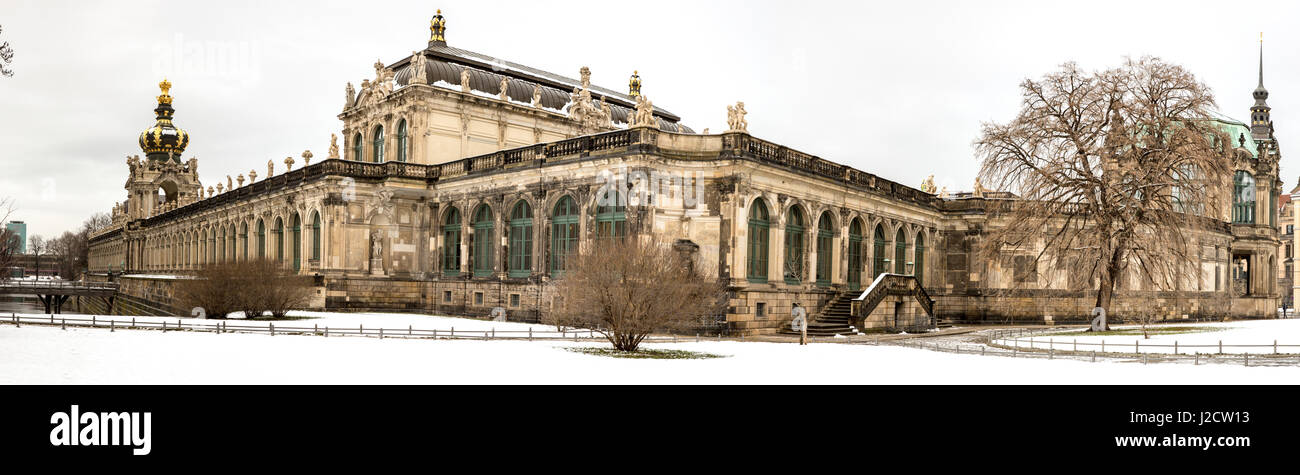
48	355
1233	335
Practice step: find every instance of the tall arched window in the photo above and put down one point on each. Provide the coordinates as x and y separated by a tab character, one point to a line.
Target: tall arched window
825	246
278	242
358	148
759	225
378	144
451	243
900	252
231	244
261	239
401	141
315	237
243	241
521	240
564	233
878	259
221	244
794	228
611	216
1243	198
297	242
919	268
212	246
855	255
483	246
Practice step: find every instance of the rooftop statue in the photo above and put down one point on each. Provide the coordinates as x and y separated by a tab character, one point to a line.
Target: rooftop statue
736	118
334	146
418	73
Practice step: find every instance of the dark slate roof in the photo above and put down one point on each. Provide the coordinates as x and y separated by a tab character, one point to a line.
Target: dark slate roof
445	63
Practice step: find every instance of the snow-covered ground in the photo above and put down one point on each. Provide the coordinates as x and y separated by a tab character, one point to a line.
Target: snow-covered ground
1261	334
48	355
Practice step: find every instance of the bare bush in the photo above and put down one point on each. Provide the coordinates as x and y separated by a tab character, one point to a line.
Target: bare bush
251	287
626	289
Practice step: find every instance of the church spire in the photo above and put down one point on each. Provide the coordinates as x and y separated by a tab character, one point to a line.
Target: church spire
1260	121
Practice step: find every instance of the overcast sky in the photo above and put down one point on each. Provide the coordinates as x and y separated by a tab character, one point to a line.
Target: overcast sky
898	89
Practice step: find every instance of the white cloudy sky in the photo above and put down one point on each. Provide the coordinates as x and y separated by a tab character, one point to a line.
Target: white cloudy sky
894	88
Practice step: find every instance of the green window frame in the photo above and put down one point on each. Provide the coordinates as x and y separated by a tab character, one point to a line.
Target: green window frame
377	144
451	243
611	221
401	141
358	148
900	253
297	242
855	255
278	231
759	227
315	237
261	239
521	240
243	239
878	259
483	247
564	234
919	269
825	247
794	247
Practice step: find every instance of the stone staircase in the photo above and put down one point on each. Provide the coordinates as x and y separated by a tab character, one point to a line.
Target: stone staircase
833	319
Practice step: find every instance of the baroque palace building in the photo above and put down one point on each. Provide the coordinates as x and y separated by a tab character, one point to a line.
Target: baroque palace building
464	180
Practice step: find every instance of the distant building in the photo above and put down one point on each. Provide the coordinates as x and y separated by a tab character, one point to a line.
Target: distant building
19	229
1286	230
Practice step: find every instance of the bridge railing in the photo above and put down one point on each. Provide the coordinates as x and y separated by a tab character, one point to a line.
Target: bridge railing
56	285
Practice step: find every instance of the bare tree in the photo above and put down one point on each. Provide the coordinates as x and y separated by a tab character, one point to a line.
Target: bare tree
6	58
252	287
625	289
1117	171
37	246
8	239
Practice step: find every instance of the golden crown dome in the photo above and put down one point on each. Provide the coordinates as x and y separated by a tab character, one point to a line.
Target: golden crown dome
164	141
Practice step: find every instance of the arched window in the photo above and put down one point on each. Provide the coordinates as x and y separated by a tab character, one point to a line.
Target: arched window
451	243
297	243
759	225
378	144
855	254
919	268
212	246
564	233
1243	198
231	244
825	246
483	241
611	216
315	237
358	148
900	252
794	246
878	259
401	141
278	242
521	240
261	239
243	241
221	255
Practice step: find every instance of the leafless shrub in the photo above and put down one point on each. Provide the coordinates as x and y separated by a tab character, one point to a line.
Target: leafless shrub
252	287
625	289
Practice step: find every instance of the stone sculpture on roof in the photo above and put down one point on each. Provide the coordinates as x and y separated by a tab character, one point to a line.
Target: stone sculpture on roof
418	76
736	118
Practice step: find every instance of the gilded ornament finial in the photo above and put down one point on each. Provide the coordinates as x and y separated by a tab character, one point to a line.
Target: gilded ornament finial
166	86
634	84
438	28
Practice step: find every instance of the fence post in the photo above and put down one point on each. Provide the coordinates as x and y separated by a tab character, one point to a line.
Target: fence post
132	322
1144	358
1103	347
93	323
315	328
272	326
164	326
361	329
1247	360
1136	347
1076	344
1175	347
982	350
381	333
63	323
1198	359
1275	347
1094	356
110	325
409	329
1051	353
530	332
327	331
1220	346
